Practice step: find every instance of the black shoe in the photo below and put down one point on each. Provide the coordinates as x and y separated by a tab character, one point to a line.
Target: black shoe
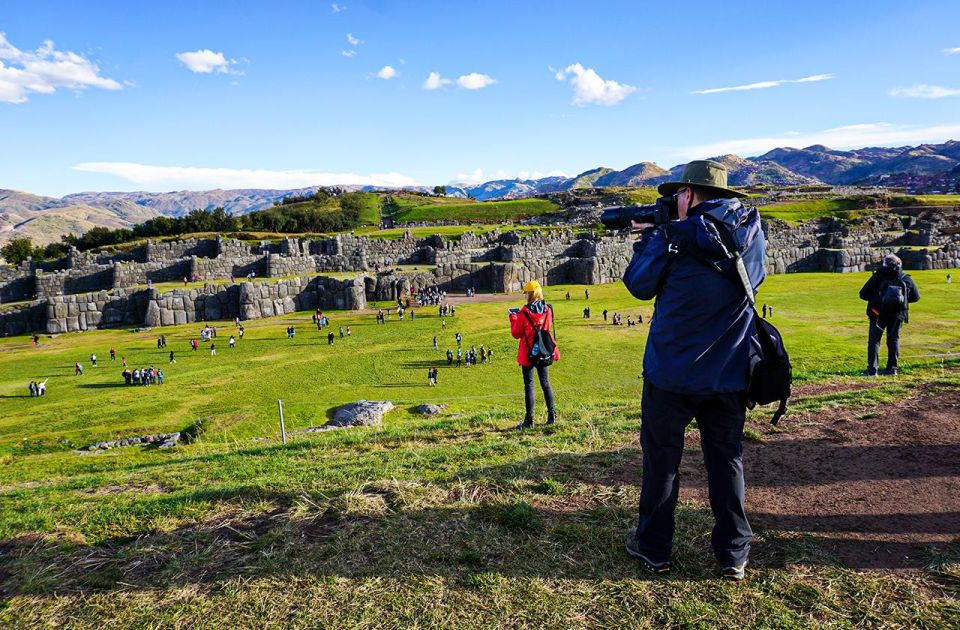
551	420
523	425
735	572
868	373
889	372
630	544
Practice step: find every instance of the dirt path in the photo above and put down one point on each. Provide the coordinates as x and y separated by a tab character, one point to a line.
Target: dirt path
871	490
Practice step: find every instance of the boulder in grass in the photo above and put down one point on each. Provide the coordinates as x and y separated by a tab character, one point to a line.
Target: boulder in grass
363	413
429	409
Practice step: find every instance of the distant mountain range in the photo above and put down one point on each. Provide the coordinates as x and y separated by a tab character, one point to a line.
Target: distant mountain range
925	168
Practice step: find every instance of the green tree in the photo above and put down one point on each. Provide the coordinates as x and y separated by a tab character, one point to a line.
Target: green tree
440	190
17	250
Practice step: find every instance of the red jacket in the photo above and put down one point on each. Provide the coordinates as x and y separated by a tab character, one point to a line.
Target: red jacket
521	329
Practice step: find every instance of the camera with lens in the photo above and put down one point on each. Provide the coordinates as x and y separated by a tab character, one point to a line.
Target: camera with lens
662	211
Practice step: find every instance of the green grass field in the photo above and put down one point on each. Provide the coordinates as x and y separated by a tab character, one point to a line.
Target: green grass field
435	521
468	211
798	211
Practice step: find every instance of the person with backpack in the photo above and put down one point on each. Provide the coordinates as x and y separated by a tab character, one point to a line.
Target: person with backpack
697	362
533	325
888	294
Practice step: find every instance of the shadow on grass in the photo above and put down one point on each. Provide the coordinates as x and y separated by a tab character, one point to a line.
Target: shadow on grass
481	533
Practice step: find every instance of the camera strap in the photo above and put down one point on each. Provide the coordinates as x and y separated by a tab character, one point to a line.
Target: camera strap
676	245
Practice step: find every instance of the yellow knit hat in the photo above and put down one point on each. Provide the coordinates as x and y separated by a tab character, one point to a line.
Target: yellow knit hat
531	286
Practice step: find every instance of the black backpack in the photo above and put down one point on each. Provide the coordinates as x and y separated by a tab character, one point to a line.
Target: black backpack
893	296
771	374
541	350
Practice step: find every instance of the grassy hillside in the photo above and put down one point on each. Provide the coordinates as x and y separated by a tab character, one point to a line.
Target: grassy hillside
47	225
441	521
369	211
799	211
416	209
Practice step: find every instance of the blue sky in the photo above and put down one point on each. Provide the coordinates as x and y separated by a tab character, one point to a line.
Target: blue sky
192	95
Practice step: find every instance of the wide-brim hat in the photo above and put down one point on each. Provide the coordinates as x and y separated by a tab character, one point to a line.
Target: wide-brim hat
706	174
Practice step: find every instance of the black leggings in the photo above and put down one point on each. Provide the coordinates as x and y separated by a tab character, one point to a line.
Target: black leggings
544	376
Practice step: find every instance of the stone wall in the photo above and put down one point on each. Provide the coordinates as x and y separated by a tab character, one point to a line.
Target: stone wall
280	266
88	278
266	299
148	307
174	250
101	309
17	288
23	319
132	274
224	267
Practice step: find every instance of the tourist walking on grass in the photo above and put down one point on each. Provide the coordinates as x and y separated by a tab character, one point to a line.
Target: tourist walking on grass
888	294
533	325
697	359
172	360
113	354
77	369
213	350
233	342
93	360
436	346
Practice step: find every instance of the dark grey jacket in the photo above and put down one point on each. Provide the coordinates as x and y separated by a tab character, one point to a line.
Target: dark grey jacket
873	288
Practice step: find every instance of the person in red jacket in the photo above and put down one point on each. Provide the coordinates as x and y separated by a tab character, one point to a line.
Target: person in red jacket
524	324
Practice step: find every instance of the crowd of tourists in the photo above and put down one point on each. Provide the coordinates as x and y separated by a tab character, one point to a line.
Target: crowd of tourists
142	376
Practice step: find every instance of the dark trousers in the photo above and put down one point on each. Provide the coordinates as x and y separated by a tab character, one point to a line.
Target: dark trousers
893	343
720	420
544	376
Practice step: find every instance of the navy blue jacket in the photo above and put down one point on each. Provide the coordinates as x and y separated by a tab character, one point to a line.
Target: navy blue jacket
699	341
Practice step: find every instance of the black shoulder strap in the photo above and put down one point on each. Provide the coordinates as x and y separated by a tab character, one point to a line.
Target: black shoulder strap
677	244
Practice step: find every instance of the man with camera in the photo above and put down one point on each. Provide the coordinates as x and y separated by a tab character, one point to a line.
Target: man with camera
699	248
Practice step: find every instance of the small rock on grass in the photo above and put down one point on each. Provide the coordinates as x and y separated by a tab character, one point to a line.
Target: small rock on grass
429	409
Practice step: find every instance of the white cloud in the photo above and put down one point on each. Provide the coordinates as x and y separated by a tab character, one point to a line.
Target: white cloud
337	8
472	81
846	137
44	70
434	81
202	178
206	61
348	53
925	91
762	85
353	41
590	87
951	51
475	81
476	177
386	72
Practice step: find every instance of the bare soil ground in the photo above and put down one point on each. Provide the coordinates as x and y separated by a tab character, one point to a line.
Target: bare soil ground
874	490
